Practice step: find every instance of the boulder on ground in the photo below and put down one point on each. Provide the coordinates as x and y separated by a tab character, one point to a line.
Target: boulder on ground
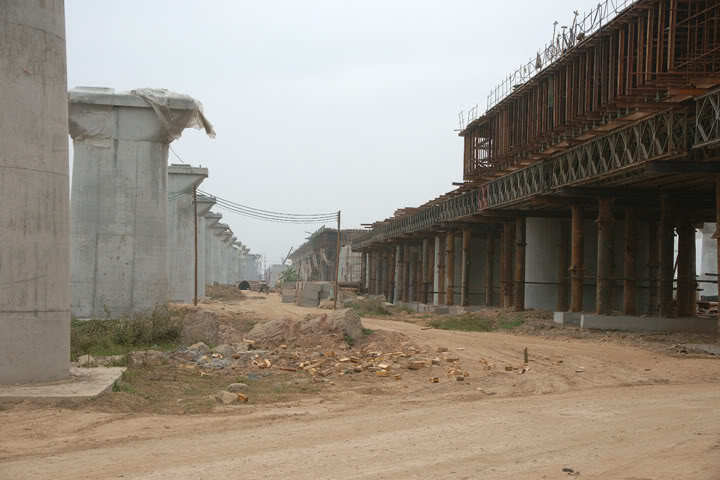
225	350
226	398
339	322
199	347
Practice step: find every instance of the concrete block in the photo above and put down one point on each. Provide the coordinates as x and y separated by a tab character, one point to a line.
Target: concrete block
654	324
308	302
288	299
288	292
567	318
289	285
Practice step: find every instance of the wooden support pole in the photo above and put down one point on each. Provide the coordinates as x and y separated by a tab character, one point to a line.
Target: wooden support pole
337	264
716	236
692	276
666	257
686	236
563	297
465	277
489	263
450	268
379	273
406	273
371	262
605	223
363	270
507	264
653	267
441	270
630	257
419	262
520	245
400	286
577	269
195	295
391	275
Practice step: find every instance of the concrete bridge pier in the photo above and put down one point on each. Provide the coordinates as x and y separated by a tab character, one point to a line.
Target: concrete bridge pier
34	219
218	251
181	230
204	204
210	220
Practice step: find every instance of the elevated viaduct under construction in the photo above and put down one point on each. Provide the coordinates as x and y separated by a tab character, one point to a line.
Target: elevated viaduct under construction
589	160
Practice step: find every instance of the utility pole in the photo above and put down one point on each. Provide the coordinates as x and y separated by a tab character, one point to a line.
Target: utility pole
195	297
337	263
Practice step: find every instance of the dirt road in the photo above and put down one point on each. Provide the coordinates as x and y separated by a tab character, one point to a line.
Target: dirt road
607	411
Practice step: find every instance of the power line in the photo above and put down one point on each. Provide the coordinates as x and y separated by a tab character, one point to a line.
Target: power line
330	215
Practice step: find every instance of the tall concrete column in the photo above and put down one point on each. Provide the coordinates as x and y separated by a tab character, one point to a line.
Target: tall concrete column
450	268
227	241
181	230
34	216
577	269
440	248
653	267
205	203
210	220
667	247
465	273
630	282
686	249
520	245
120	200
507	264
218	231
562	303
489	264
605	223
363	269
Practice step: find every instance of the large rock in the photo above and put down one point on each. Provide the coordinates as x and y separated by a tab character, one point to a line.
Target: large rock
237	387
224	350
226	398
199	347
339	322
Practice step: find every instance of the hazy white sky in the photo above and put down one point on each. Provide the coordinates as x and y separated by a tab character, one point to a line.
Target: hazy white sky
318	105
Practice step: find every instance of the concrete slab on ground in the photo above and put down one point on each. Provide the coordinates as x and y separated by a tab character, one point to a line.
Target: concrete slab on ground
83	383
704	348
653	324
288	299
567	318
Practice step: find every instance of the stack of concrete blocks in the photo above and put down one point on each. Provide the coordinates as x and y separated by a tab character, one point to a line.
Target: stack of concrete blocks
181	229
119	203
210	219
289	292
312	293
34	218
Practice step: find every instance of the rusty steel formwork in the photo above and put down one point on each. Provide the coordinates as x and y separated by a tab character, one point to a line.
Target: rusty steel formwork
654	54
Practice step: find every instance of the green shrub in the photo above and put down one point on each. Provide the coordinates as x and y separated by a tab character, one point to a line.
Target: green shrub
370	307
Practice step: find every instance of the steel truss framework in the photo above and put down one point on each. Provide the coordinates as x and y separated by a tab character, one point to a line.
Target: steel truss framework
707	133
662	136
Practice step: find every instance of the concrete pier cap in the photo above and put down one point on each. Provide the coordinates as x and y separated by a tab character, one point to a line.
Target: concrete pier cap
119	199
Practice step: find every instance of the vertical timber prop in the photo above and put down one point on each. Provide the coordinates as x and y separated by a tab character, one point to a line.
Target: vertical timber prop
716	236
630	256
450	268
562	300
520	245
507	274
337	264
406	273
465	278
686	242
425	270
605	224
489	263
653	267
577	269
441	270
666	257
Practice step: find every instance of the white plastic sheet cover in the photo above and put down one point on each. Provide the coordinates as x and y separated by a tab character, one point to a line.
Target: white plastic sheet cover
94	126
175	120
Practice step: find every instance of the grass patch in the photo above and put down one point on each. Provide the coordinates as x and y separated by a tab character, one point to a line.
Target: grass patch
370	307
157	329
348	339
367	331
402	308
476	323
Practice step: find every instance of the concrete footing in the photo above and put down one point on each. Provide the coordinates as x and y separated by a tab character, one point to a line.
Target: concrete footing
83	383
653	324
567	318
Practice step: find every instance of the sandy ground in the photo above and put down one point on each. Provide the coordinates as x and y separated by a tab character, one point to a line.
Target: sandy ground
608	411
